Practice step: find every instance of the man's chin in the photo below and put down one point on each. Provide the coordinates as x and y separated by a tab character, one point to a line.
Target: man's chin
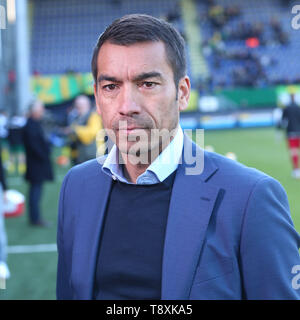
135	154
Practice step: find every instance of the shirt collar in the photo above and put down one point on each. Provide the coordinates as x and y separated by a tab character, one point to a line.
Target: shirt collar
161	168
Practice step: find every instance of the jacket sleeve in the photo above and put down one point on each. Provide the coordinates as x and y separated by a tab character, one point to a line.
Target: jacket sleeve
63	283
269	248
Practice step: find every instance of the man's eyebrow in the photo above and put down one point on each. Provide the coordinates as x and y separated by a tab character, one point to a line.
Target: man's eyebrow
147	75
140	77
104	77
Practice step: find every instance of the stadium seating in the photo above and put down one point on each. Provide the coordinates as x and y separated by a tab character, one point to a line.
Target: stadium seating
65	32
278	60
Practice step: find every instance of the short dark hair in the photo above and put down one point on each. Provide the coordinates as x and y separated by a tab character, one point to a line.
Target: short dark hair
135	28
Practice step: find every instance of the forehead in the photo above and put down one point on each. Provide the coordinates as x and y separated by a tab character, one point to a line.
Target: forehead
119	60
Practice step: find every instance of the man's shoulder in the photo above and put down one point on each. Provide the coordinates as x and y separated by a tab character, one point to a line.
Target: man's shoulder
224	171
29	123
233	171
237	178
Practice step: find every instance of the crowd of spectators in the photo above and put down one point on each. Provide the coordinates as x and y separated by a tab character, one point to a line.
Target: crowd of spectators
247	66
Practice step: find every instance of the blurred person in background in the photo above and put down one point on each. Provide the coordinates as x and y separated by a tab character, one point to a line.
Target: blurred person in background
16	149
4	271
291	123
84	125
38	163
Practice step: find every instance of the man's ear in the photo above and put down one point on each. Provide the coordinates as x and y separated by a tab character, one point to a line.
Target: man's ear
96	99
184	90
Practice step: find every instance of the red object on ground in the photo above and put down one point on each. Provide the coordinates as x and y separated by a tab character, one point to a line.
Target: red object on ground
62	160
14	204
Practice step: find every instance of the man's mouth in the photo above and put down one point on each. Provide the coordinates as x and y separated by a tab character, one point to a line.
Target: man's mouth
131	129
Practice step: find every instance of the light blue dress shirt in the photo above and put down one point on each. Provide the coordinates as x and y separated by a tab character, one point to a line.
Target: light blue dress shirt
164	165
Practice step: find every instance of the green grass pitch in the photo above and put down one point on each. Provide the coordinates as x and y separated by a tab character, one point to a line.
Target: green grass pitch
33	275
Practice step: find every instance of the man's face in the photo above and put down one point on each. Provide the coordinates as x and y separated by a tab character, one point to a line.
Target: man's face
38	111
136	93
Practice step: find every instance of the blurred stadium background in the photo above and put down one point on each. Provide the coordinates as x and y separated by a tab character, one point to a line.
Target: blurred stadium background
243	61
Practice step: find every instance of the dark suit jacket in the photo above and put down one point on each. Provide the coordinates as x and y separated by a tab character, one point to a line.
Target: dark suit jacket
37	148
229	233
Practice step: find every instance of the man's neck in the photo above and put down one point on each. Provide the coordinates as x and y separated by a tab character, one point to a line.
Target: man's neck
133	168
133	171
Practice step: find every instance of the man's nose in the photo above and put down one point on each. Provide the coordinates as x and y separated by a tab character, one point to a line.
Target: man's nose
129	103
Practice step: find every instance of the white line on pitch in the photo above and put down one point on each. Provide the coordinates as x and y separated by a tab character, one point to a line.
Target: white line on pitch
51	247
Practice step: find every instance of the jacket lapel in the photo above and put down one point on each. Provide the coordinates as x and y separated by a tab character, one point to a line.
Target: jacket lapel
88	230
190	209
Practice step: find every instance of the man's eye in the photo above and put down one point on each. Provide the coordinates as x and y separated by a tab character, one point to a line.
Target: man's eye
149	84
110	87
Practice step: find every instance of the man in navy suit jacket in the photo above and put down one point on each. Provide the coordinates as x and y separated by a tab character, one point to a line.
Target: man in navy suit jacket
159	218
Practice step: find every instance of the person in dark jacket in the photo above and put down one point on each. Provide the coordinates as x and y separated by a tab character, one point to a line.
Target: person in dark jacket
38	163
291	123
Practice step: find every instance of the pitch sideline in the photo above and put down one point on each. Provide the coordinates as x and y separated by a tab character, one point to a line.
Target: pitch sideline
36	248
